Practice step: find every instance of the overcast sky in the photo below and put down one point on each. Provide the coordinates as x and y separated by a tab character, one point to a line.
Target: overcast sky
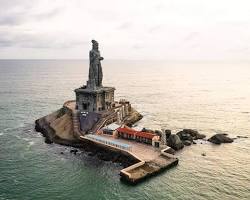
126	29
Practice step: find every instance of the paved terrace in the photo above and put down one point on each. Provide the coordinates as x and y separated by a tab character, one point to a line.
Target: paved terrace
143	151
152	160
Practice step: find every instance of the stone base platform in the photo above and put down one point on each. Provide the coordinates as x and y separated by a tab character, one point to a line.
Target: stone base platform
142	170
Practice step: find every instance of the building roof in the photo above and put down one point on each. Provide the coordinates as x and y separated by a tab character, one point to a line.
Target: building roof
130	131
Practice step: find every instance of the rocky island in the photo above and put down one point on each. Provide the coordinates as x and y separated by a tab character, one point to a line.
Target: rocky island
97	123
102	126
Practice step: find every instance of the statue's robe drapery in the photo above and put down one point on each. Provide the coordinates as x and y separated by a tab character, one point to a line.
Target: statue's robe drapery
95	69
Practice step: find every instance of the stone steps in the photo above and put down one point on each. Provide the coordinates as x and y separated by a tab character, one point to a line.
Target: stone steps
76	124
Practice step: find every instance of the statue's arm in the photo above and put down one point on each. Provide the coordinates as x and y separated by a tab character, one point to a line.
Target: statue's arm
92	56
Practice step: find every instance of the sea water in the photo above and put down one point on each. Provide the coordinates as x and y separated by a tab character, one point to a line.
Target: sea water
212	97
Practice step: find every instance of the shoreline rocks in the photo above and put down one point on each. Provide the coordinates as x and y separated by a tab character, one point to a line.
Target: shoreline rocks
220	138
240	136
134	117
188	136
195	134
187	142
175	142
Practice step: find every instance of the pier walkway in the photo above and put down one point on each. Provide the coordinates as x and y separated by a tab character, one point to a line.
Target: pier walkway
151	160
107	141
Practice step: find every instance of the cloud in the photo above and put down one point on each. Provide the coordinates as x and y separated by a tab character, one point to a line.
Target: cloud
22	13
177	29
39	41
125	25
10	20
138	46
155	28
191	36
49	14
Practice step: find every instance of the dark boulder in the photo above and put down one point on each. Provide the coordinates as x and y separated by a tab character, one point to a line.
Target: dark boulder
187	142
195	134
199	136
147	130
91	154
220	138
175	142
192	132
47	140
168	133
159	133
74	151
184	136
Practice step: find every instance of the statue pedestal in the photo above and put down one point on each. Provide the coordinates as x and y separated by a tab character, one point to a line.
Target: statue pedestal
94	100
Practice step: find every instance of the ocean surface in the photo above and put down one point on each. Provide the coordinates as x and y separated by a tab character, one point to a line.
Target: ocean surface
208	96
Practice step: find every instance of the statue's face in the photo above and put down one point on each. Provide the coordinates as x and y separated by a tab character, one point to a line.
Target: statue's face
95	46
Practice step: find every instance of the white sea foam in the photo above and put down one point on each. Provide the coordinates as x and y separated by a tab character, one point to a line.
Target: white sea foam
1	133
21	125
31	143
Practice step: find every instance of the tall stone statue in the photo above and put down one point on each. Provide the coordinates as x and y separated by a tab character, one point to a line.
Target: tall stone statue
95	67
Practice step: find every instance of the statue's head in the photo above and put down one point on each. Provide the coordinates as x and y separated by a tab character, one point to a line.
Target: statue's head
94	44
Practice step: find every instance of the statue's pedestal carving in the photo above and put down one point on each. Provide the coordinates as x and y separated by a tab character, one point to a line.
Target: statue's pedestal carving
94	100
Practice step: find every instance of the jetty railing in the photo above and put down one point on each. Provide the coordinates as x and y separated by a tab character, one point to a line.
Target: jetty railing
109	142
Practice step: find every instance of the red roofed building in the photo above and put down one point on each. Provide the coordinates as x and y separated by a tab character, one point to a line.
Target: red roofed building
139	136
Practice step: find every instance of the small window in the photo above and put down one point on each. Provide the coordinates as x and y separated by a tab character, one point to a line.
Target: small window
85	106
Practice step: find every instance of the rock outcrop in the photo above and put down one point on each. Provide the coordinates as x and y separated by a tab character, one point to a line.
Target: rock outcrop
133	117
190	135
57	127
220	138
175	142
195	134
185	136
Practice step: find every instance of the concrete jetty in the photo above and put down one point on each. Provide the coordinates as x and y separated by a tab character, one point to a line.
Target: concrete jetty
150	160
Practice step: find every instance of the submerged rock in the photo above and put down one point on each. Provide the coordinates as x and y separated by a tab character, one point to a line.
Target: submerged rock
239	136
74	151
175	142
187	142
220	138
